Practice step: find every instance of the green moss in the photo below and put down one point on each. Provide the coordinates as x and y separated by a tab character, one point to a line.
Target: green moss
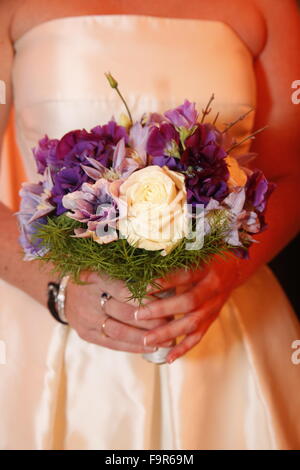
136	267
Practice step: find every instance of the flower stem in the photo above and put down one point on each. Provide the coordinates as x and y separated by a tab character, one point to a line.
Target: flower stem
125	104
114	84
251	136
240	118
207	110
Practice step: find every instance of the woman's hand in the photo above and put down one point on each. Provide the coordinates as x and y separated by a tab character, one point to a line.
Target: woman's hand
85	315
200	304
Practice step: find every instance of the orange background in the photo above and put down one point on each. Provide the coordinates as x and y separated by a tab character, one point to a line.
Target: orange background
12	172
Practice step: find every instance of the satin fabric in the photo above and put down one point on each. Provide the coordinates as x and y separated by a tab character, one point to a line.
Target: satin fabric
238	388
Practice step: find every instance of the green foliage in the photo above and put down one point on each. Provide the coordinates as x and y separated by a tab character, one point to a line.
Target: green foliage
136	267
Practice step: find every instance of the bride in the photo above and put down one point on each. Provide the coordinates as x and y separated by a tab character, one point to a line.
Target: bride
230	381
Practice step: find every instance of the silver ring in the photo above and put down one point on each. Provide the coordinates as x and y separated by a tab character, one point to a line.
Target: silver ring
104	298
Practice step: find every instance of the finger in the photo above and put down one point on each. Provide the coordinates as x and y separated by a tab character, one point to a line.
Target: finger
185	325
115	288
191	340
179	277
185	288
121	332
95	337
169	332
89	319
125	313
182	303
84	332
127	337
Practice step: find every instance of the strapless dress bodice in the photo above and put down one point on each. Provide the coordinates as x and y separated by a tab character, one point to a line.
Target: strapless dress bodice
59	82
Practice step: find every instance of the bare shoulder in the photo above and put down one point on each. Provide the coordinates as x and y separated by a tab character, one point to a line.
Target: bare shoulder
246	18
275	8
279	13
282	19
7	11
243	16
30	13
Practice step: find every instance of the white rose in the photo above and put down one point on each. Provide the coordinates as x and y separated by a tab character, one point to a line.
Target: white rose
152	209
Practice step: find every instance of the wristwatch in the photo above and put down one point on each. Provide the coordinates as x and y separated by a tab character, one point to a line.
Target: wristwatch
56	299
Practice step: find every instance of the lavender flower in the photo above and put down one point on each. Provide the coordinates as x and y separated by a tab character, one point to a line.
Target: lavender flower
153	119
184	115
71	156
138	139
122	165
44	153
66	181
242	223
258	190
95	206
34	207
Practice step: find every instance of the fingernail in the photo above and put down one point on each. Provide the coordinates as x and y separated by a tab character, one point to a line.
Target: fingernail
142	314
167	344
170	360
149	339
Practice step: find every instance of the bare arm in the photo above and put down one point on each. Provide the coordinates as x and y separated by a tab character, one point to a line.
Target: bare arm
30	277
83	309
278	147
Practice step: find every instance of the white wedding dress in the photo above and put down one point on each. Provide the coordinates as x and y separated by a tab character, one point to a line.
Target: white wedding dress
238	388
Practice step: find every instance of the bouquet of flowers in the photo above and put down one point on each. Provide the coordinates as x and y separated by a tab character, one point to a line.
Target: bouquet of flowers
137	200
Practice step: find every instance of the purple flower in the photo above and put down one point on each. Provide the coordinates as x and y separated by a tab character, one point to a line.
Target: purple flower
95	206
122	165
207	173
258	190
160	140
73	162
164	146
33	209
75	146
205	185
66	181
183	116
234	203
241	223
111	132
202	147
32	247
153	118
44	153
